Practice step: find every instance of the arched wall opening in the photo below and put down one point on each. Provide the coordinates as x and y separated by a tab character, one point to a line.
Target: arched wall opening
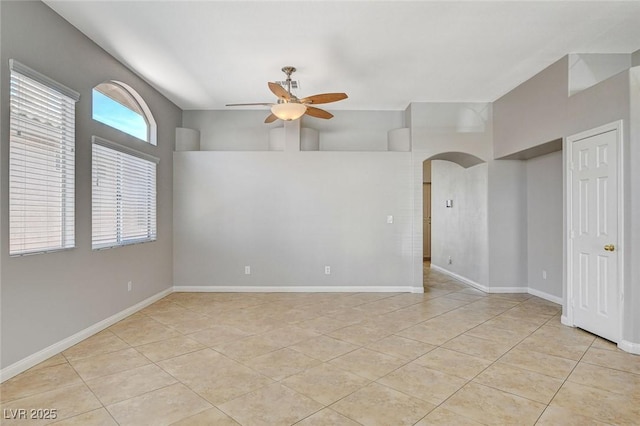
451	216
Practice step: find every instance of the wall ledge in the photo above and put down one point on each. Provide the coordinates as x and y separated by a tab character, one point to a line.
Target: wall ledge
46	353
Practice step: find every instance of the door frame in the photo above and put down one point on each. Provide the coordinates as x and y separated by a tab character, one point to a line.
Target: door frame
569	285
424	234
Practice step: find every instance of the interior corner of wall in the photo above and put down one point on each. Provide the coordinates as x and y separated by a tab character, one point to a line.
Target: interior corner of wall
407	116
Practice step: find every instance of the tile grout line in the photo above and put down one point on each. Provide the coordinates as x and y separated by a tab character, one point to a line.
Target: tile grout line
486	368
292	303
563	383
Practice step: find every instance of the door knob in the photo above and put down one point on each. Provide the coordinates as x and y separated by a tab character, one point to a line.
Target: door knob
609	247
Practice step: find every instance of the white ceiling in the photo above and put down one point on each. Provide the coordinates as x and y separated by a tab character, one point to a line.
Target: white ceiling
383	54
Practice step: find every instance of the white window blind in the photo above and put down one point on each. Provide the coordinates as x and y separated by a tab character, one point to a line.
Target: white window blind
123	195
41	163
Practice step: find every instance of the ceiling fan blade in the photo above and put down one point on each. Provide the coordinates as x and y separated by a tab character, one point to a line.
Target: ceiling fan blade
256	103
318	113
324	98
279	91
270	119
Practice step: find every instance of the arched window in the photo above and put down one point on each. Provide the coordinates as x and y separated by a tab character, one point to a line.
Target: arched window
119	106
124	183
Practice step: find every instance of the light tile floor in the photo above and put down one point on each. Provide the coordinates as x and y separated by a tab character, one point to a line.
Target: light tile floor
452	355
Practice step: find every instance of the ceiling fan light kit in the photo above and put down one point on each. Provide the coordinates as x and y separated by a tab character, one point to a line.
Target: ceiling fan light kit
289	107
288	111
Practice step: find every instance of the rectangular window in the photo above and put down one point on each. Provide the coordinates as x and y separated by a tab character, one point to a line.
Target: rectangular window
123	195
41	163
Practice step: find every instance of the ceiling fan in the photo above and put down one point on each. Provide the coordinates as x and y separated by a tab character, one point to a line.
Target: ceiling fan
289	107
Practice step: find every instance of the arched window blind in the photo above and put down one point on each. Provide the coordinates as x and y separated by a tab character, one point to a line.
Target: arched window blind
41	163
123	195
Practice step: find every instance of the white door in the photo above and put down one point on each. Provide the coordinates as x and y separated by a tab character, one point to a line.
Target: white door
593	247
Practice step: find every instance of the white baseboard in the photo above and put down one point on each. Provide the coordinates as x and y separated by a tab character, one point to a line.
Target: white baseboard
461	278
479	286
46	353
625	345
508	290
545	296
630	347
296	289
489	289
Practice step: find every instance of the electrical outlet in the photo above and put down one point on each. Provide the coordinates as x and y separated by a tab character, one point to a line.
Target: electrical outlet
247	270
450	261
129	286
327	270
544	274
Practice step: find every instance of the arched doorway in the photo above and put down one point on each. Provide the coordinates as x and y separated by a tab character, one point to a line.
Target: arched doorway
424	209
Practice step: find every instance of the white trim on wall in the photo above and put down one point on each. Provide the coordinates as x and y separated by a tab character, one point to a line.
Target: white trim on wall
630	347
40	356
494	290
296	289
461	278
545	296
46	353
508	290
54	349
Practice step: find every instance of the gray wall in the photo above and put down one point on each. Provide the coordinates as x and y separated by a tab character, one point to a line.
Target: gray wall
533	113
289	214
540	110
49	297
635	58
355	130
544	224
457	132
586	70
600	104
606	102
450	127
460	232
46	298
507	224
237	130
230	130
